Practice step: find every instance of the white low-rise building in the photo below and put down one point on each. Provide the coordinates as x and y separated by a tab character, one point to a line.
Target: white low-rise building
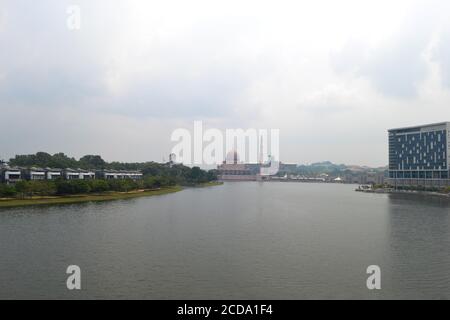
11	175
86	175
118	174
34	174
71	174
53	174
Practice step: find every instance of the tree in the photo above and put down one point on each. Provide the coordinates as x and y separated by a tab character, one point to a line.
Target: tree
198	175
43	188
60	160
91	161
43	159
98	185
23	188
212	175
7	191
64	187
151	183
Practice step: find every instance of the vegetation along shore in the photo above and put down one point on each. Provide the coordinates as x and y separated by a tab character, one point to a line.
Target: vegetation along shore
42	200
158	178
443	192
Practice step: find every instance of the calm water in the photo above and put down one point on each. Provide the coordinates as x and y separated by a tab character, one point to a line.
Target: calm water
236	241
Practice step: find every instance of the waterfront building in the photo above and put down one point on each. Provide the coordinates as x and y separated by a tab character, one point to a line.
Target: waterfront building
78	174
71	174
11	175
86	174
53	174
119	174
236	172
107	174
133	175
33	174
420	155
232	170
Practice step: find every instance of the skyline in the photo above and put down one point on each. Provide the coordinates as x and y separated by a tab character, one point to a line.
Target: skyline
332	77
166	160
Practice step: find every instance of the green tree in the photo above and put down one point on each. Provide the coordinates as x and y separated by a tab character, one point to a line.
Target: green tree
23	188
43	188
7	191
99	186
68	187
92	161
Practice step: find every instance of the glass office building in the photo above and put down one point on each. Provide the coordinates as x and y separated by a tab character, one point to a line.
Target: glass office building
420	155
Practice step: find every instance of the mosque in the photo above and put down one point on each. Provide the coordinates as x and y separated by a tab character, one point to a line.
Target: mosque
233	170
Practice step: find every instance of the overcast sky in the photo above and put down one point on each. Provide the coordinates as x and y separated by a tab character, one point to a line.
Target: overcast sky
333	76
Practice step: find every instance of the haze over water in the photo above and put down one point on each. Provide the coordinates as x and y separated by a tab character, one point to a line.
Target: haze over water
236	241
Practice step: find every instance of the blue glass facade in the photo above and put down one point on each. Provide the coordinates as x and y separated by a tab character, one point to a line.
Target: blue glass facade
420	153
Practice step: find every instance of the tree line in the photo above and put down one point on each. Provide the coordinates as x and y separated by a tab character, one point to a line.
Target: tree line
156	175
27	189
62	161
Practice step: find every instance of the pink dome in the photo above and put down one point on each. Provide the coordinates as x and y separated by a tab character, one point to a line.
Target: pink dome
232	157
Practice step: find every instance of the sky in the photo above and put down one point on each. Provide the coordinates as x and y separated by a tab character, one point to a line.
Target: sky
332	76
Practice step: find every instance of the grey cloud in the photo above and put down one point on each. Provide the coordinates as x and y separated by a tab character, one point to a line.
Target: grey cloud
208	96
229	68
44	64
397	67
397	71
350	58
441	55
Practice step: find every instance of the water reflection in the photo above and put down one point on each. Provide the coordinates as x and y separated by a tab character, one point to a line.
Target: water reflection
419	239
237	241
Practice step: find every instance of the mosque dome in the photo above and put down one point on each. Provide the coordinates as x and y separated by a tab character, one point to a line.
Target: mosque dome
232	157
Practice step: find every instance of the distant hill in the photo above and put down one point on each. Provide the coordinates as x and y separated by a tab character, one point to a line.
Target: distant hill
327	167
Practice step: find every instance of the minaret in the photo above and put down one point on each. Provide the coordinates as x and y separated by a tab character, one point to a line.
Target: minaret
261	154
172	158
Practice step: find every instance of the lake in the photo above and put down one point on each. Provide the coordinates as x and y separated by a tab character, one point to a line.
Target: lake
246	240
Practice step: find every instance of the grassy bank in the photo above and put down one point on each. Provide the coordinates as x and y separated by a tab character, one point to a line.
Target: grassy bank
209	184
442	193
10	203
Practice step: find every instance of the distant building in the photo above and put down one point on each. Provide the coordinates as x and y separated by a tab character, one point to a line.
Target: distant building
53	174
232	170
420	155
133	175
236	172
33	174
10	175
71	174
119	174
86	174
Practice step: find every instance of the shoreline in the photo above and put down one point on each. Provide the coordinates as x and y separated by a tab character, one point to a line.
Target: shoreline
110	196
208	184
14	203
410	192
